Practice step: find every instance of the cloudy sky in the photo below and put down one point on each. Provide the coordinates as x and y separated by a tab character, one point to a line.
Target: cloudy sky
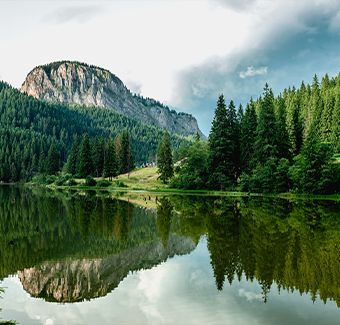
183	53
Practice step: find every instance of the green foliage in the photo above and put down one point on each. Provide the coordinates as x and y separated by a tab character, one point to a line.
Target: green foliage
52	163
60	181
30	126
103	183
181	152
72	182
223	140
50	179
90	181
39	179
193	175
85	167
282	136
72	160
165	168
266	142
248	136
111	166
124	154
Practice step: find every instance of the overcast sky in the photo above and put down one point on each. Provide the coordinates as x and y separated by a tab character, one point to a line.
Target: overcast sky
182	53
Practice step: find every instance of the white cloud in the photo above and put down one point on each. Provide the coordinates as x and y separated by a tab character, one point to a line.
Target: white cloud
134	85
79	14
335	23
249	295
252	72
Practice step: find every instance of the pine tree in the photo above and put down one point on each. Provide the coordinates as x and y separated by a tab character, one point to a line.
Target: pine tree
233	158
219	149
335	138
42	163
316	104
165	168
197	137
52	163
327	116
124	153
248	136
265	144
85	158
283	141
310	163
102	153
111	169
73	157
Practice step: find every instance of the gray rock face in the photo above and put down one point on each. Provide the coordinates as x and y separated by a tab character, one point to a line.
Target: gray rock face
72	281
73	82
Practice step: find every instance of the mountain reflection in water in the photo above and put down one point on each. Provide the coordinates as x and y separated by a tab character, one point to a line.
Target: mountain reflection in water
87	244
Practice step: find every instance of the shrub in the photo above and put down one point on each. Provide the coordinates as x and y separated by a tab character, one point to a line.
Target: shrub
90	181
103	183
50	179
121	184
67	176
72	182
39	179
60	181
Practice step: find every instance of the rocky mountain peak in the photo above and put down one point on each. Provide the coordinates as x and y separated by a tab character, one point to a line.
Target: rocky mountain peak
74	82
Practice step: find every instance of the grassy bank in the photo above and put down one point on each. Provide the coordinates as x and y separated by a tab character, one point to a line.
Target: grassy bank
142	180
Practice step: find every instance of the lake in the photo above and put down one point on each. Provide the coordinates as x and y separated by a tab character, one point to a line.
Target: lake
99	258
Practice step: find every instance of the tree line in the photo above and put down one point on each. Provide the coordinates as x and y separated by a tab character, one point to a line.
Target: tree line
29	127
287	143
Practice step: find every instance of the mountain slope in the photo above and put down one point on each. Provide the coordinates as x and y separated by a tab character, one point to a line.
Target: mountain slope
74	82
29	126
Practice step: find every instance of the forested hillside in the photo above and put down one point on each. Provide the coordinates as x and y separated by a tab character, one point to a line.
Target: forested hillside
28	128
277	144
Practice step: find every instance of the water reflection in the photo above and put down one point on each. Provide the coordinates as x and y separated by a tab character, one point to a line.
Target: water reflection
294	244
86	244
67	247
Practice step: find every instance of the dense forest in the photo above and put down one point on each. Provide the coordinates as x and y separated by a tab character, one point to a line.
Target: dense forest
277	144
29	128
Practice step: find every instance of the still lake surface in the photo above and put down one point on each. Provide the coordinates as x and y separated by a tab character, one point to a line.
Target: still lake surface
67	258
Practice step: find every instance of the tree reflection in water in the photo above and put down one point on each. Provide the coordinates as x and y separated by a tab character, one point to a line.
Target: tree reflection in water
292	243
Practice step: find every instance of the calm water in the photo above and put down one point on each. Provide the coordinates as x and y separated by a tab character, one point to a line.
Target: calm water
67	258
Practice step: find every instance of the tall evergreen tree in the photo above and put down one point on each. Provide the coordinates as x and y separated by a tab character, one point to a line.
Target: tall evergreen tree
296	127
327	116
266	141
316	104
73	157
311	162
52	163
248	136
335	138
102	153
85	158
219	167
124	153
165	168
233	158
42	163
283	141
111	168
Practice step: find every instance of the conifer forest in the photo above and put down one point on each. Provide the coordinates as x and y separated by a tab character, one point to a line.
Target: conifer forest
288	142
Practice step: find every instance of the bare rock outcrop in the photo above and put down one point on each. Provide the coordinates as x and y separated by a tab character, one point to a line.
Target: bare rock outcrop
78	280
74	82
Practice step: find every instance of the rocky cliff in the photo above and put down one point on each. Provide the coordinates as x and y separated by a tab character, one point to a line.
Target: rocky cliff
74	82
72	281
